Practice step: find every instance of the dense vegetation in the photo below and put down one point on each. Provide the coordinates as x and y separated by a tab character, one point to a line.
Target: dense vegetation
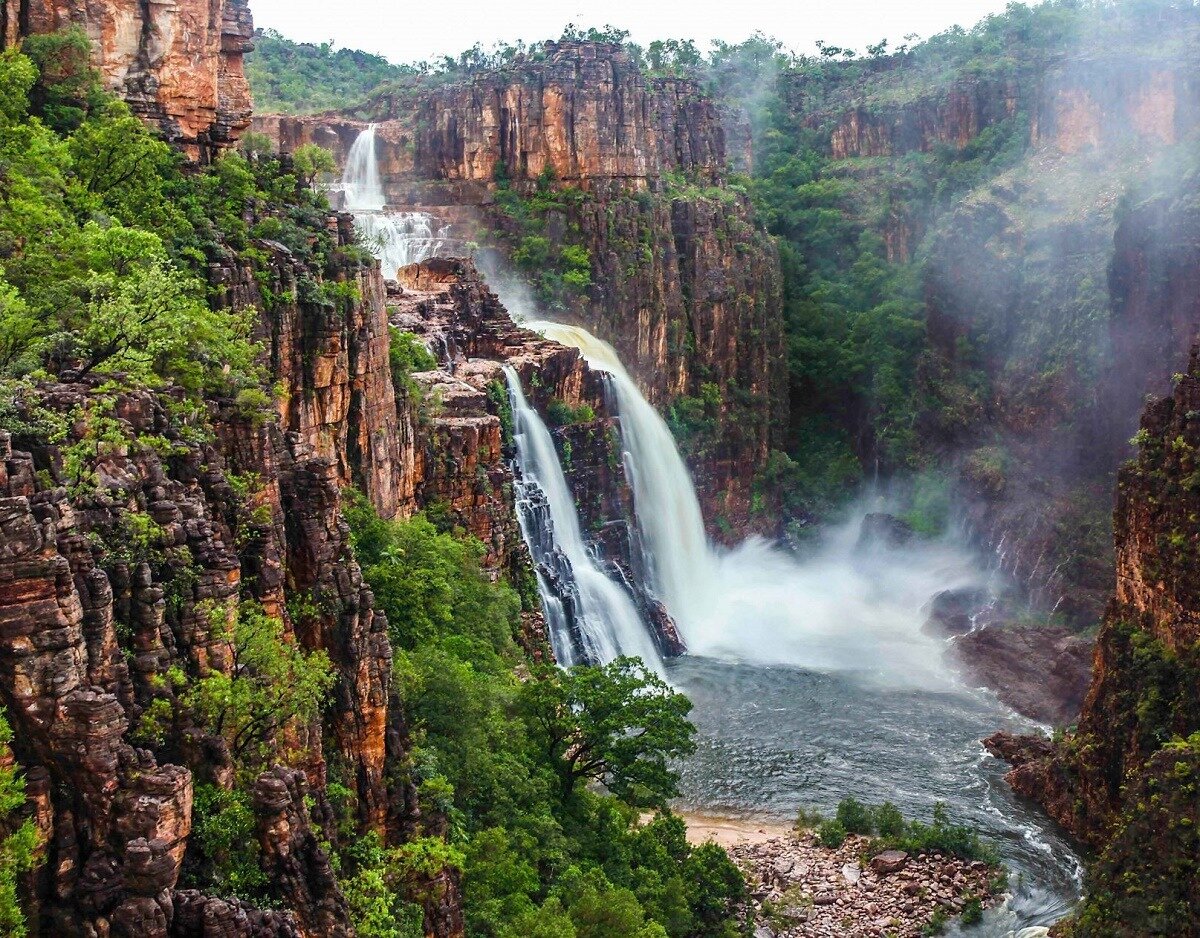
300	78
504	762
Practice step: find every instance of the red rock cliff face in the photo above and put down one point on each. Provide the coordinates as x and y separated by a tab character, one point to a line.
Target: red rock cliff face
1146	677
684	283
89	621
178	64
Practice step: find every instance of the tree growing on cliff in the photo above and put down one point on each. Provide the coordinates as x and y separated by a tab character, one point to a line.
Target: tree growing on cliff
310	161
18	838
619	725
270	683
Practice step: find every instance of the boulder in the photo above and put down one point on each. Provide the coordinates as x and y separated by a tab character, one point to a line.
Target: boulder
890	861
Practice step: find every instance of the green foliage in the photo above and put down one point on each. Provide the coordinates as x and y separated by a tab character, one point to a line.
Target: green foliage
107	241
831	834
855	817
559	270
299	78
619	725
223	852
1149	871
19	838
67	86
541	853
892	831
429	583
271	682
311	161
407	354
561	414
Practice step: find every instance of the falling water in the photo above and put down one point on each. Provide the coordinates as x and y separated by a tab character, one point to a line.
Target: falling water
397	239
360	179
679	560
839	609
590	617
401	238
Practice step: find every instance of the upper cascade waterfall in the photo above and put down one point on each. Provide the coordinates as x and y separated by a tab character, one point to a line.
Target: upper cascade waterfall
591	618
360	178
397	239
838	609
679	560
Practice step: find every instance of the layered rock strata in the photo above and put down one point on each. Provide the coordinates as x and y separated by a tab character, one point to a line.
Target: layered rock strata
179	64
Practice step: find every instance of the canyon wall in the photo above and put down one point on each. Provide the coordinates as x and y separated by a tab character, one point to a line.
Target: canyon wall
179	64
683	282
1124	780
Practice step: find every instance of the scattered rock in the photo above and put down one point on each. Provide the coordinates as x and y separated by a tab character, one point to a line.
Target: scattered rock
890	861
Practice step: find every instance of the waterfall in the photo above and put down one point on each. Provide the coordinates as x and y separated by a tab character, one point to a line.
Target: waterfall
400	238
679	560
360	179
591	618
397	239
838	609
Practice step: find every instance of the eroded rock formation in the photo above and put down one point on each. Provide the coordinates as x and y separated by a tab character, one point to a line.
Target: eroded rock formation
1124	781
178	64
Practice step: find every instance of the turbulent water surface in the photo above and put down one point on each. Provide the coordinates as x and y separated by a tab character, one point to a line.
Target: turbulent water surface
775	739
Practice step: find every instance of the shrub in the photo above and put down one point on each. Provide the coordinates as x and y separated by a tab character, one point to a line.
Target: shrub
831	834
855	817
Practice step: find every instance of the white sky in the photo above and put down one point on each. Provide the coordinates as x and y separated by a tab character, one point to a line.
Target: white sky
408	31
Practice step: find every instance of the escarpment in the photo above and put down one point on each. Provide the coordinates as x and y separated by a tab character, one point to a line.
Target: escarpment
1124	781
178	65
607	192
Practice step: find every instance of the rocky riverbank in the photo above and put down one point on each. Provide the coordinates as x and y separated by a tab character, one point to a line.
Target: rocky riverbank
801	888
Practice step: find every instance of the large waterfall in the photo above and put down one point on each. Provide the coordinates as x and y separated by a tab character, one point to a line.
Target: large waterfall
679	560
590	617
397	239
838	609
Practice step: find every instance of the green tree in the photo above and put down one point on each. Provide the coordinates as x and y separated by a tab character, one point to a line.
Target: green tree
270	683
19	841
311	161
619	725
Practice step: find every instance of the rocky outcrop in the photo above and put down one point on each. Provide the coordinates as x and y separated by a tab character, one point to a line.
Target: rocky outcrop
465	447
685	285
1041	672
293	858
1110	779
179	65
327	342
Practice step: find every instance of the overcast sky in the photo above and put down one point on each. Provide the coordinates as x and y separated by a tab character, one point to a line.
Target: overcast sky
405	31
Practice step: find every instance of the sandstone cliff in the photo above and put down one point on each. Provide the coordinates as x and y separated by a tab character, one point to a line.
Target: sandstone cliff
1124	781
179	65
683	282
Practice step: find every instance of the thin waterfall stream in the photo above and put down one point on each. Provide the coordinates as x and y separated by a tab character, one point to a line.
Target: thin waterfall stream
590	617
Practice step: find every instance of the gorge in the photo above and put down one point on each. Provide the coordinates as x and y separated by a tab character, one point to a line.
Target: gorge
428	507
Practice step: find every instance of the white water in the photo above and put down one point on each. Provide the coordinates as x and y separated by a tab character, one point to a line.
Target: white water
679	561
397	239
360	178
836	610
607	622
